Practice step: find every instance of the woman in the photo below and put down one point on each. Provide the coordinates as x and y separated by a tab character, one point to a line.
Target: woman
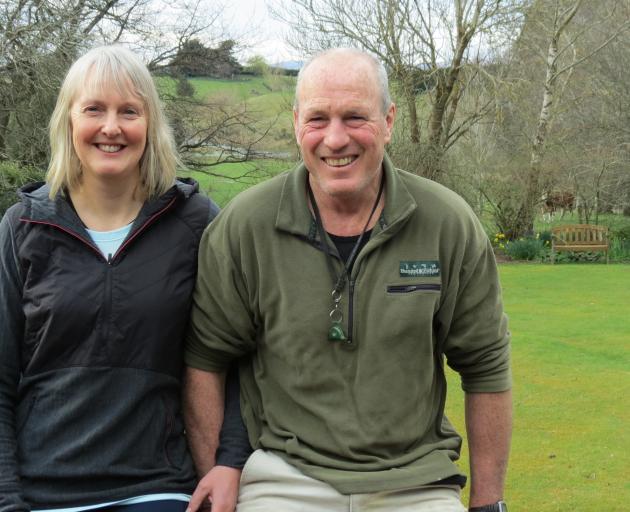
97	268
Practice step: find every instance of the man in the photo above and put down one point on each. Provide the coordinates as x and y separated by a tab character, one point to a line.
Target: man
345	283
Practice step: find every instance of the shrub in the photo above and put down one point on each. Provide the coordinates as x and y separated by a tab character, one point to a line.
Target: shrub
545	238
622	233
498	241
619	249
12	177
525	249
579	257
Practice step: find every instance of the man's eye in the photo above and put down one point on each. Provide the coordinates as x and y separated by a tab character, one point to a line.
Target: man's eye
317	121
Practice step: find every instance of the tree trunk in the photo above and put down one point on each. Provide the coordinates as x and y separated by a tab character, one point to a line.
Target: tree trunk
410	98
525	224
4	125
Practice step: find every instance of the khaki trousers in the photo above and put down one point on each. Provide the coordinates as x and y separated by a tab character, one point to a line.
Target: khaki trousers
269	484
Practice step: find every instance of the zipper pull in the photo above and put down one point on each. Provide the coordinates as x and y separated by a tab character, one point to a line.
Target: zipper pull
109	258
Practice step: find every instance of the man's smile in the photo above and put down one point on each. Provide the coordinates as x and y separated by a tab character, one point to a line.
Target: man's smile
340	162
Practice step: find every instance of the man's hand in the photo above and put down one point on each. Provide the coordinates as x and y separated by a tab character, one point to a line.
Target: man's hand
219	487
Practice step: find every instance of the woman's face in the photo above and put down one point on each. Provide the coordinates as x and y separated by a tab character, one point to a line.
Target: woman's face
109	132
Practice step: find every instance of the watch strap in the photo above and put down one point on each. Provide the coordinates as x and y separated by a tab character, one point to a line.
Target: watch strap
499	506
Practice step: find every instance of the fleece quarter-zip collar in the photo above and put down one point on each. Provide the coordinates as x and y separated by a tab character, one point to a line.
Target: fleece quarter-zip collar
294	215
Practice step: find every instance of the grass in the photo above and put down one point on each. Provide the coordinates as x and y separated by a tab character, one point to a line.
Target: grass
244	88
222	182
571	364
267	99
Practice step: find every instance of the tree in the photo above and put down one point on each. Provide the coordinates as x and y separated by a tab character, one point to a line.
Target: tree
193	58
257	65
40	38
432	49
559	36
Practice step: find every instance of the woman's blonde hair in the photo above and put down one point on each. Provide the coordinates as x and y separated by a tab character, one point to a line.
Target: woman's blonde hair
100	69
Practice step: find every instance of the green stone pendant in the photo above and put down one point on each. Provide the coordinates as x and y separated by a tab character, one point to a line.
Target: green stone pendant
335	333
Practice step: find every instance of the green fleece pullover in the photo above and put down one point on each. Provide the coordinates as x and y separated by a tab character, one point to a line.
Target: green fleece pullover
366	415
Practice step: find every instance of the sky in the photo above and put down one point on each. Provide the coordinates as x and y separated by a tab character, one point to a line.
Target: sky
262	33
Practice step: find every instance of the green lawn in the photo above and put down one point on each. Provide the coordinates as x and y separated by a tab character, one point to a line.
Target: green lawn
571	363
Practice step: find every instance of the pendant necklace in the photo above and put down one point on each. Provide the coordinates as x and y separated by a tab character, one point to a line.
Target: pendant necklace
336	332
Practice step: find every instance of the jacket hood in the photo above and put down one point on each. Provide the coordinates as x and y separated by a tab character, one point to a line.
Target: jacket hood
39	190
187	186
39	207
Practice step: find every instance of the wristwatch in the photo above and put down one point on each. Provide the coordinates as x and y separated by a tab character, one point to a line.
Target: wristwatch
499	506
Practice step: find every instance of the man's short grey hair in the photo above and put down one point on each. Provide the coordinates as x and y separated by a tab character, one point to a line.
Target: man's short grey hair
379	69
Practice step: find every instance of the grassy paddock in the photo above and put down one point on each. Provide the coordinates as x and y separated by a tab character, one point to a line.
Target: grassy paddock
571	363
236	177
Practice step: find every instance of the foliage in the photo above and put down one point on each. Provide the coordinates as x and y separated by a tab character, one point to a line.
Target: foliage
431	50
257	66
12	177
228	120
193	58
620	244
621	233
559	118
570	355
184	88
620	250
545	237
527	248
579	257
39	40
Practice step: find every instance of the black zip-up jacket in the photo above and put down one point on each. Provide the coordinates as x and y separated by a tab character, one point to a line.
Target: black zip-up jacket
91	354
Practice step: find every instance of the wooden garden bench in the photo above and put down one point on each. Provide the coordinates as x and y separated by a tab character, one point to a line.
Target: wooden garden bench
579	238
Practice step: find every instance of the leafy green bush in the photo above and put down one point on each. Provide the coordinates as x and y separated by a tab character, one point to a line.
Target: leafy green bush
621	233
545	238
619	250
579	257
12	177
525	249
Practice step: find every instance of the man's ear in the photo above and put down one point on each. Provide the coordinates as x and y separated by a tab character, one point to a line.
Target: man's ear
390	117
295	124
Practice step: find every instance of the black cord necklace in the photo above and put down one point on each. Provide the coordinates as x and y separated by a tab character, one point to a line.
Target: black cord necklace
336	332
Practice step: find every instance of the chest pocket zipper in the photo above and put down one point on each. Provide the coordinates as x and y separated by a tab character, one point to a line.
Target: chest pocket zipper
410	288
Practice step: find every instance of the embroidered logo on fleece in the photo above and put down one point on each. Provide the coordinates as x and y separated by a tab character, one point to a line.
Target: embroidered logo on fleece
419	268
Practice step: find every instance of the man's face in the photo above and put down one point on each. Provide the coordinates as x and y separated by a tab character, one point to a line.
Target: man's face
340	126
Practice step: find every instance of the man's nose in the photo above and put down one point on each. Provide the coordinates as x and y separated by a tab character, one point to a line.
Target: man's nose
111	124
336	135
